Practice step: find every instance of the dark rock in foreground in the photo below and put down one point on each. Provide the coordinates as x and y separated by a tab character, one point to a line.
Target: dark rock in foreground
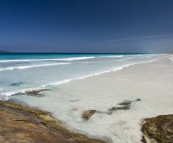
87	114
20	124
158	129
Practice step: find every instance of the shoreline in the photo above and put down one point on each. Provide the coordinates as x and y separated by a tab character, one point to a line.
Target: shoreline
117	88
39	119
48	129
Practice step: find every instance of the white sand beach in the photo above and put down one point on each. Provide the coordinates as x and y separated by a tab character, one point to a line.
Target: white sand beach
147	86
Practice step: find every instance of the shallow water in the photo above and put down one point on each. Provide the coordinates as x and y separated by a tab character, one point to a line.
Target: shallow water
77	84
37	70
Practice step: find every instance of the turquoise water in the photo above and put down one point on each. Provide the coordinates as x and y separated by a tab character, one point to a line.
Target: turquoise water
29	71
38	56
45	55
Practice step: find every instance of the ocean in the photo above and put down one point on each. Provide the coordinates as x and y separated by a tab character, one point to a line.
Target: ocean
40	70
80	82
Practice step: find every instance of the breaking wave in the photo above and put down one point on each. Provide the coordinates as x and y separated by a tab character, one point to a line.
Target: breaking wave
32	60
31	66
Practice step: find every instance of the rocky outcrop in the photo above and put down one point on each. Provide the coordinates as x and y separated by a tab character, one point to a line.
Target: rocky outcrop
17	127
158	129
16	84
125	105
32	92
27	125
87	114
1	51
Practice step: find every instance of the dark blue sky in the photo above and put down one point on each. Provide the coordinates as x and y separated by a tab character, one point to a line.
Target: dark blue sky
86	25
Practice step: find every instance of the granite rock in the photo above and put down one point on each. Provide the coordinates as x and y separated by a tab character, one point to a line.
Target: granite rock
158	129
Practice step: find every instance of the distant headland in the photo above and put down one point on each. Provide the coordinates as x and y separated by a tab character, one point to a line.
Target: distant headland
1	51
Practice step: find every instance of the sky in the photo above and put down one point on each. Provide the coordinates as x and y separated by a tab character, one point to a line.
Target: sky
86	26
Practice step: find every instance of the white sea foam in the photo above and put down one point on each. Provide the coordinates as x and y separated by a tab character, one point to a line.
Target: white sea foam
90	75
118	56
76	58
10	93
125	59
4	98
85	62
170	57
61	59
32	66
